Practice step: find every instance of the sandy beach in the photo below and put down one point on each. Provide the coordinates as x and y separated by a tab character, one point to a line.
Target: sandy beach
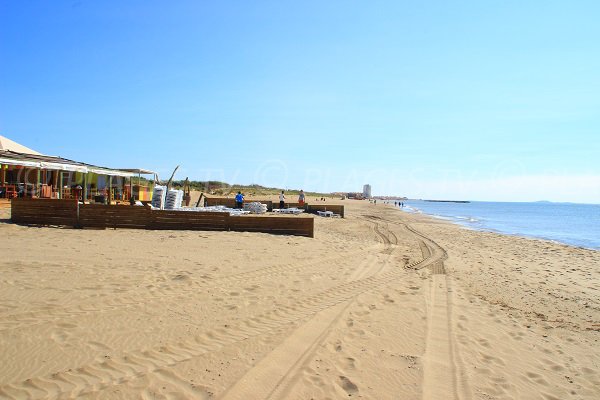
379	305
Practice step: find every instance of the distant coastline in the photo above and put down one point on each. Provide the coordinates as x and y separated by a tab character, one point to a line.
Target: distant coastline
448	201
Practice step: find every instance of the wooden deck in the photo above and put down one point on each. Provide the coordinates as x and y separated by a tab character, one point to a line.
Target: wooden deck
69	213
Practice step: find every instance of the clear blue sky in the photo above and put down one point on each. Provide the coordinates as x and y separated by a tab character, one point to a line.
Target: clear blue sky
480	100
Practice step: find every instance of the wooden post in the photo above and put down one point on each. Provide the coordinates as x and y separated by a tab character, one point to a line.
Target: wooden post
109	189
38	187
61	183
85	191
55	180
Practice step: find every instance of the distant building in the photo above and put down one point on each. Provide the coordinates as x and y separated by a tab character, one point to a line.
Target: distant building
367	191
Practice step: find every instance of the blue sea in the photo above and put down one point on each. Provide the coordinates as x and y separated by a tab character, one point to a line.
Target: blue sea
569	223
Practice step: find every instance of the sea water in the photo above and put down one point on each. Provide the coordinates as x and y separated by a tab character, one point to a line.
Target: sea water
570	223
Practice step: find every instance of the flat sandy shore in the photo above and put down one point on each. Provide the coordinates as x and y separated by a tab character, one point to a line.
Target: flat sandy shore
379	305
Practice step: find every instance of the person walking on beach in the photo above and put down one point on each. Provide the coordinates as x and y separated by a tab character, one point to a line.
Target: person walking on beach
301	198
282	200
239	200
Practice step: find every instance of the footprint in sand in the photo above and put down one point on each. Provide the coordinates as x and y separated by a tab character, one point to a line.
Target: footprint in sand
338	346
348	385
387	299
349	363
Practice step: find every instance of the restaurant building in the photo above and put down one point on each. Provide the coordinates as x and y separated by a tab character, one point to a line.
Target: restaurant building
27	173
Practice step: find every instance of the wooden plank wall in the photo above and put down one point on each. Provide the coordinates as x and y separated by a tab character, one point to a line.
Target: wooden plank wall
311	208
43	211
220	201
102	216
295	225
335	208
194	221
64	212
227	202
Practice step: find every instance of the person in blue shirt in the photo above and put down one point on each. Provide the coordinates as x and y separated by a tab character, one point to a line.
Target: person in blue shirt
239	200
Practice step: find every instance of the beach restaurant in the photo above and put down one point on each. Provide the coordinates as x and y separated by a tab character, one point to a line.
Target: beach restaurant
27	173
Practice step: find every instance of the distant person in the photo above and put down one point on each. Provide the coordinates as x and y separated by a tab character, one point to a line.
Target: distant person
282	200
239	200
301	198
395	204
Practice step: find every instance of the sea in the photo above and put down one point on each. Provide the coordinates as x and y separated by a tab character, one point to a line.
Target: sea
569	223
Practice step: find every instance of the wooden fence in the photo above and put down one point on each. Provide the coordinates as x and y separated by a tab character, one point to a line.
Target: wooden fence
229	202
310	208
69	213
335	208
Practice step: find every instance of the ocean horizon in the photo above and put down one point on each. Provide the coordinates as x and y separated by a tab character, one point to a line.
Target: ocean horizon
573	224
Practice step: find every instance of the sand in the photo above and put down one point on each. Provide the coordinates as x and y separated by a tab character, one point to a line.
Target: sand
379	305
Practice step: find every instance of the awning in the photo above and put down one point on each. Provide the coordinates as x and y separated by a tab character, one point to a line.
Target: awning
65	167
111	172
139	171
8	161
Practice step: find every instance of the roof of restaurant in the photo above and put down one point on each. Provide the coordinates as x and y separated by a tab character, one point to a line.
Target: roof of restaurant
56	163
11	145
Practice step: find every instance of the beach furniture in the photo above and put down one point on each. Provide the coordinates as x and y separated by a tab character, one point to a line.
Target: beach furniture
159	194
292	210
325	213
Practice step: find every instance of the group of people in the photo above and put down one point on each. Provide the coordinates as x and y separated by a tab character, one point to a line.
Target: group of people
398	204
239	199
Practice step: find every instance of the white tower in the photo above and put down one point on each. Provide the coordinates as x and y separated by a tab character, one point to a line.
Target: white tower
367	191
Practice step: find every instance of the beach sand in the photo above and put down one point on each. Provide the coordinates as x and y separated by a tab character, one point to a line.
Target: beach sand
379	305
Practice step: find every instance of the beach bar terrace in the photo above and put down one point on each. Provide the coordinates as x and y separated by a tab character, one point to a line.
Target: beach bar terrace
49	190
49	177
27	173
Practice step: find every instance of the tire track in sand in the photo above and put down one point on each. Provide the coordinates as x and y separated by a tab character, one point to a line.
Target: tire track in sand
275	375
443	372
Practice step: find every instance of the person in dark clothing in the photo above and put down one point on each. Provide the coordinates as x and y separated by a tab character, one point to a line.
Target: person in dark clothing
239	200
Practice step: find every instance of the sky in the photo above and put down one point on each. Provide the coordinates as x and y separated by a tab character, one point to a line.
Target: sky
475	100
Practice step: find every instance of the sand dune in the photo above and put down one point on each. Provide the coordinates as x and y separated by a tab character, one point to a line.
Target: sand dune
379	305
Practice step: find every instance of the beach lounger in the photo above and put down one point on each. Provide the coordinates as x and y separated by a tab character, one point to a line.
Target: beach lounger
325	213
291	210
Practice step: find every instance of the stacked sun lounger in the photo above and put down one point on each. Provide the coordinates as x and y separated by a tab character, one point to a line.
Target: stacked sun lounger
223	209
159	194
174	199
255	207
291	210
325	213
